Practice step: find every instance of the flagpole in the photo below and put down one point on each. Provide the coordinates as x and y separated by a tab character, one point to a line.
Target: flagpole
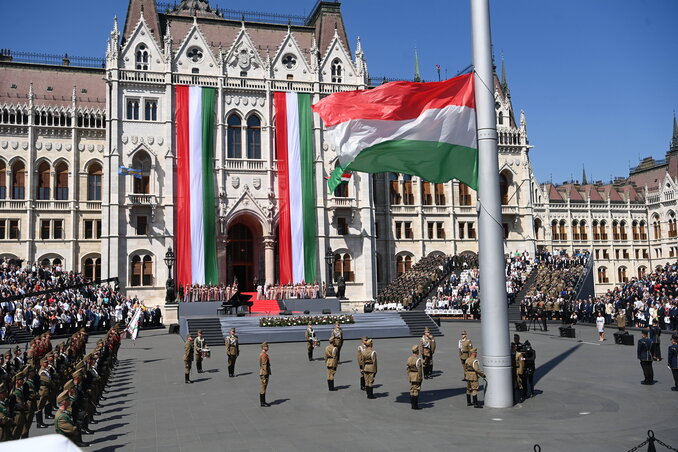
494	321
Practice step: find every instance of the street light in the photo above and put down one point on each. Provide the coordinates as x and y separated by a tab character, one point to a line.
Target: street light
329	260
171	294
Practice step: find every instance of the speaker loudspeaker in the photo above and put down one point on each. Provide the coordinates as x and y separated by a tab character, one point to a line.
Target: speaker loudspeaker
173	328
566	331
327	311
521	326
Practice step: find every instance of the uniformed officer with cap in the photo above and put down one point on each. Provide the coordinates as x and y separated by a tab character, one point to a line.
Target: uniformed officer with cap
338	335
199	345
427	347
465	346
232	351
188	358
331	362
471	373
264	373
6	422
369	367
63	421
361	349
415	375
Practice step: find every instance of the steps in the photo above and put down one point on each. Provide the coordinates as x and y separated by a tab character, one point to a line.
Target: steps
211	330
421	306
514	308
417	321
17	335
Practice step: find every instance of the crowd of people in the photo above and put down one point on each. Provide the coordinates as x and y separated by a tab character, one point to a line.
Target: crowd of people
225	292
410	287
196	292
73	304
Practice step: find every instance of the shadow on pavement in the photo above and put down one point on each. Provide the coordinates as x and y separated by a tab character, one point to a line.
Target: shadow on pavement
278	402
548	366
428	397
108	428
243	374
342	387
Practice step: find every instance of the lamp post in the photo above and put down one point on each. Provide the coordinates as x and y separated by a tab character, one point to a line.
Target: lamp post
329	259
171	294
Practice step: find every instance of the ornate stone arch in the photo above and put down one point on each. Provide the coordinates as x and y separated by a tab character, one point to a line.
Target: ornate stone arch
90	162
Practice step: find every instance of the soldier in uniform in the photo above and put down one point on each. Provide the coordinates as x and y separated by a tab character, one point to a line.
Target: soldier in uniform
20	405
331	362
472	372
415	375
232	351
31	390
519	372
44	390
6	421
64	423
264	373
188	358
644	352
427	346
369	367
338	335
310	341
673	360
361	349
199	345
465	347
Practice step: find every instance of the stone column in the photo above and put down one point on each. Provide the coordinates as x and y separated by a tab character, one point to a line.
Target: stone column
269	258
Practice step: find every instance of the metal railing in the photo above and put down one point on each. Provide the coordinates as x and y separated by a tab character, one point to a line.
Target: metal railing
249	16
51	58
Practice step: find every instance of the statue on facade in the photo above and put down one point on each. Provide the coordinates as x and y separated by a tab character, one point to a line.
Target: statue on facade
341	288
170	296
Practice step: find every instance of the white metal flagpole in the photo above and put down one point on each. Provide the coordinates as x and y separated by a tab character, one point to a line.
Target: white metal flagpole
496	354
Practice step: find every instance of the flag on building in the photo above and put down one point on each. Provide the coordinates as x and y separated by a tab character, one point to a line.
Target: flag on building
133	326
423	129
124	171
195	232
297	232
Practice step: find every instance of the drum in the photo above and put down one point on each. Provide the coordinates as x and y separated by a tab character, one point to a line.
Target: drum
205	352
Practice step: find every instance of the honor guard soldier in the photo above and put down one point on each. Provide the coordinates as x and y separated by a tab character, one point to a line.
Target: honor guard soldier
6	422
465	347
46	387
673	360
20	405
331	362
264	373
31	389
415	375
472	372
644	350
310	341
361	349
232	351
369	367
427	346
188	358
199	345
519	372
63	422
338	335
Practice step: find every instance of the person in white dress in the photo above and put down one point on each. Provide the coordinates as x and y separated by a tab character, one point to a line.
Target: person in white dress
600	324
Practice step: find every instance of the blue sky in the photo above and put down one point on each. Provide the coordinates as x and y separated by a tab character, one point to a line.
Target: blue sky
597	79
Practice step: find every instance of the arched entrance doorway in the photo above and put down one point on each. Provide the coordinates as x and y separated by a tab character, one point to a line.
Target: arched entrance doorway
244	253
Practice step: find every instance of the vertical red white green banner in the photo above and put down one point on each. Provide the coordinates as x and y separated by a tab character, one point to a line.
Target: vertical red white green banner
194	211
297	239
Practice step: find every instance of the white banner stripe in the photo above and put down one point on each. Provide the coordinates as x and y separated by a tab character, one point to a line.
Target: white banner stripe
195	157
294	162
453	124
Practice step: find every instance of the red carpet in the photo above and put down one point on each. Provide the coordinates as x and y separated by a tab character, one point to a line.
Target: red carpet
263	306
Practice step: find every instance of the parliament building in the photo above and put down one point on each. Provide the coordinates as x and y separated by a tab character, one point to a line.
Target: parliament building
70	127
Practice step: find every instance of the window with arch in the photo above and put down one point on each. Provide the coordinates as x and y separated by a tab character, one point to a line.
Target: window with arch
635	230
656	227
642	272
94	175
621	275
602	275
582	230
408	263
343	267
439	191
61	181
3	180
18	180
673	231
596	230
555	232
400	265
141	271
500	119
253	137
337	71
503	189
394	186
408	193
92	268
234	137
603	230
622	230
44	172
537	229
142	163
575	230
464	194
615	230
562	230
141	58
426	195
643	232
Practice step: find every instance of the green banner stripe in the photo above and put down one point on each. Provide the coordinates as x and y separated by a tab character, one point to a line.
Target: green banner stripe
209	206
307	186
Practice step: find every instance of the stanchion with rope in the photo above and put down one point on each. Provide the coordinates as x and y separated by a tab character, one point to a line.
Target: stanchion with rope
650	443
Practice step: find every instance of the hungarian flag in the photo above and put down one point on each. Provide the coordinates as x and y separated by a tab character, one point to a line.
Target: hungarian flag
195	233
297	232
423	129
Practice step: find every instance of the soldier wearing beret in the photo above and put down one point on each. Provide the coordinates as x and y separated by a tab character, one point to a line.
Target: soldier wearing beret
471	373
427	347
369	357
20	406
331	362
264	373
63	422
338	335
188	358
232	351
465	346
415	375
361	349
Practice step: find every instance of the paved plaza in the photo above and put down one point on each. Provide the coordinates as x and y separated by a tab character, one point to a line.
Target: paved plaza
589	399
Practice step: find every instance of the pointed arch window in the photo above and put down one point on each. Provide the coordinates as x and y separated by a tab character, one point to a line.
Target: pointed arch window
3	180
92	268
537	228
394	188
408	193
94	175
503	189
500	119
18	181
234	137
141	58
400	265
43	181
61	182
464	194
253	137
337	71
142	162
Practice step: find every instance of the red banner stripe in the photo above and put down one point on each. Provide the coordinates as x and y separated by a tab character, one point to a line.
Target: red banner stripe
284	227
182	203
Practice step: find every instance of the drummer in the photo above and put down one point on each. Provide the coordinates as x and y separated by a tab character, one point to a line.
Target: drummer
200	352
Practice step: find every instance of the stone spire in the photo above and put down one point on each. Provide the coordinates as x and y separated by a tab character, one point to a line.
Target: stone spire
583	176
504	83
167	41
360	59
674	139
417	75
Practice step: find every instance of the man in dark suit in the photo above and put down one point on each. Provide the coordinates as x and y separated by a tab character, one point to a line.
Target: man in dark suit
673	360
645	356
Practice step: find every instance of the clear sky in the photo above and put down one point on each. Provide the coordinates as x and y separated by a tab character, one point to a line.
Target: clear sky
597	78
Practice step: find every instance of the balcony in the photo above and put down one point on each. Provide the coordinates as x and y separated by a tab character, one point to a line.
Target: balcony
404	209
12	204
245	83
128	75
195	79
52	205
92	205
142	200
509	210
291	85
341	203
245	165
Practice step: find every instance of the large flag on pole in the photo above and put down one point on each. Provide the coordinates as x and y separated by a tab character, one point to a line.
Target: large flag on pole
297	224
423	129
195	233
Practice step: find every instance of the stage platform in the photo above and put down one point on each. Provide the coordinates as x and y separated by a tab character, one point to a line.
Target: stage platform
374	325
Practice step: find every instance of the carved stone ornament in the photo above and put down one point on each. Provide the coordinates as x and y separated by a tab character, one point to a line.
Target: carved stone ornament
245	101
69	147
228	100
100	147
125	139
48	146
81	147
90	147
161	140
58	146
235	181
150	140
38	145
4	144
135	139
256	183
262	101
15	145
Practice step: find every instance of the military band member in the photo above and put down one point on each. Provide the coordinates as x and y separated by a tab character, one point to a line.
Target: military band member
331	362
338	335
264	373
198	348
232	351
6	421
369	367
427	347
361	349
415	375
188	358
472	372
644	351
465	346
311	340
63	422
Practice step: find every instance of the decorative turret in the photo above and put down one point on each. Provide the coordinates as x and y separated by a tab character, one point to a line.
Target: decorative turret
504	83
674	139
360	65
199	8
417	75
583	176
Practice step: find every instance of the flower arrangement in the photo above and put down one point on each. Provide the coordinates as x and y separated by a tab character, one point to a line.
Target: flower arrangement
300	320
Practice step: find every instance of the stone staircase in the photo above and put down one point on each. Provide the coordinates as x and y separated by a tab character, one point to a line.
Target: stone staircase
514	308
16	335
422	305
211	330
417	321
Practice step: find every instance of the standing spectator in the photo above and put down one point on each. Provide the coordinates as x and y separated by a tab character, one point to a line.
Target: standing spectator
673	360
600	324
645	356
